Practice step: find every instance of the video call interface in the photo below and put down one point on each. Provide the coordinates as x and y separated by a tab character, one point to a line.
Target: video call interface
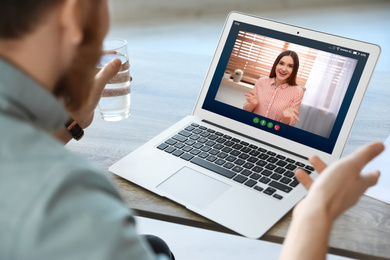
258	82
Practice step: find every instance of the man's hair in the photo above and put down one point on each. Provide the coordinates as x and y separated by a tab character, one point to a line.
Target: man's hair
293	77
19	17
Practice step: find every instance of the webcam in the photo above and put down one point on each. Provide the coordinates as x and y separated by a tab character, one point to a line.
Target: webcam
297	32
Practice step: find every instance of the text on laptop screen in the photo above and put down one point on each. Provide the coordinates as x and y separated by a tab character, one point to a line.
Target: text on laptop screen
288	85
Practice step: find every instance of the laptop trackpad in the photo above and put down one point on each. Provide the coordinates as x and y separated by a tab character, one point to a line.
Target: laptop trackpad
193	187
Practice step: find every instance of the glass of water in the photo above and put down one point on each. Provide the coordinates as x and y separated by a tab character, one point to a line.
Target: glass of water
114	104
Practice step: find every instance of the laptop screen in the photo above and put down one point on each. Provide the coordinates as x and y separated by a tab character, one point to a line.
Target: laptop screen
284	84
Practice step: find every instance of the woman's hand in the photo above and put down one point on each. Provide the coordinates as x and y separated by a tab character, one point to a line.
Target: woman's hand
290	115
340	185
251	101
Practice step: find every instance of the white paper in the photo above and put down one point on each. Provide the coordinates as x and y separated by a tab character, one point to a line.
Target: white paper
381	191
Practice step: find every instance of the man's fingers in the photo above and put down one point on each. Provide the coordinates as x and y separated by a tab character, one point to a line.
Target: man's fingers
366	153
108	72
304	178
369	179
317	163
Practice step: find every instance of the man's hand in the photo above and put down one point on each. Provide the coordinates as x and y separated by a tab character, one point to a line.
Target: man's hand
84	115
340	185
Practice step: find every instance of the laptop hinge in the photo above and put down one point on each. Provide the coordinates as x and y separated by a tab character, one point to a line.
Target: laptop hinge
257	140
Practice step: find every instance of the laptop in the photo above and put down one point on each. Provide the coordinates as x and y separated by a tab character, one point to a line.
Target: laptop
236	167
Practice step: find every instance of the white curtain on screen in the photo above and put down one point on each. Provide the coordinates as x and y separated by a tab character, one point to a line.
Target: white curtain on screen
325	90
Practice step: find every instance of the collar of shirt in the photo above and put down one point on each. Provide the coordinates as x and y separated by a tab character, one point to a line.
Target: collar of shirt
283	86
23	98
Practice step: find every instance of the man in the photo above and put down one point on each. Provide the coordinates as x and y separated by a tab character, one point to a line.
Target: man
55	205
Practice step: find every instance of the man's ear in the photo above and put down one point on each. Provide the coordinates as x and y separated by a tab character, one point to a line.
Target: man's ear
71	20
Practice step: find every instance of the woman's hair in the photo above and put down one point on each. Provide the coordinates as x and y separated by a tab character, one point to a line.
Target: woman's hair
293	77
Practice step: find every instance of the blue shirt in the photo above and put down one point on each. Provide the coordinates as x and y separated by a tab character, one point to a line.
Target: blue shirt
53	205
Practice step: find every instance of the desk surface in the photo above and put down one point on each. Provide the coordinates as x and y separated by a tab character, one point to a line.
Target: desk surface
165	89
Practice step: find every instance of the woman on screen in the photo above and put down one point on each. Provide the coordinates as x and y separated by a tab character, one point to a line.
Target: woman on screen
278	97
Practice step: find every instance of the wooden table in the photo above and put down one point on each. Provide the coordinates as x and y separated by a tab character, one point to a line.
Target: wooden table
165	89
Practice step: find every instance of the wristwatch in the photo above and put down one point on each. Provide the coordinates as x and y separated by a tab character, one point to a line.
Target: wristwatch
74	129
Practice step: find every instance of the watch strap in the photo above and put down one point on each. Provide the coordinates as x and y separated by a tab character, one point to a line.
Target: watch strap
74	129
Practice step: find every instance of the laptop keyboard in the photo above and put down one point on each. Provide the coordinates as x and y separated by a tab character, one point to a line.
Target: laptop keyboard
254	167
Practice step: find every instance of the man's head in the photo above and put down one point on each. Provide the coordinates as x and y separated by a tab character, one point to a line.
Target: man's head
76	31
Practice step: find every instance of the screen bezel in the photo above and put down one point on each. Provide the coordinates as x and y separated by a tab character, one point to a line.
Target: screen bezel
270	138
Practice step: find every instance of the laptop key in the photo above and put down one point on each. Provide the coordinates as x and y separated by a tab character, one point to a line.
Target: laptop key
246	172
237	169
187	156
230	158
281	163
310	168
289	174
195	152
212	167
300	164
203	155
170	142
220	162
227	150
190	142
291	167
239	162
170	149
179	138
250	183
279	197
255	176
211	158
218	146
290	160
280	186
229	143
189	128
269	191
294	183
257	169
184	133
179	145
162	146
258	188
270	166
248	165
240	178
261	163
243	156
228	165
178	153
266	173
285	180
276	176
252	159
265	180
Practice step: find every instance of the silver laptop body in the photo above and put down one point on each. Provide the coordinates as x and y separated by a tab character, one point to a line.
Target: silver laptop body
170	166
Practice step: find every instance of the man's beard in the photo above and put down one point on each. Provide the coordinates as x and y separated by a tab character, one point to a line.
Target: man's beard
75	86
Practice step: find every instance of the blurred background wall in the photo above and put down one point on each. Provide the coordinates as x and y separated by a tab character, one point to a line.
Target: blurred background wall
149	10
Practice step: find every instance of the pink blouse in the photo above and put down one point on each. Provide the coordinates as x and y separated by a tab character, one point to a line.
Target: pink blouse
273	100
